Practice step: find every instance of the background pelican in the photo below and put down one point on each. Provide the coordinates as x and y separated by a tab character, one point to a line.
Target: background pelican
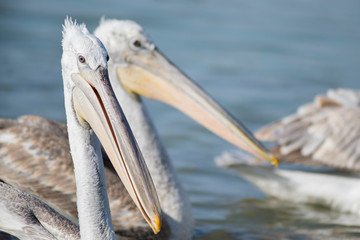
143	70
137	64
323	134
91	108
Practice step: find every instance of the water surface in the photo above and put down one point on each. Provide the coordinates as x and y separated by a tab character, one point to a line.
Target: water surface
259	59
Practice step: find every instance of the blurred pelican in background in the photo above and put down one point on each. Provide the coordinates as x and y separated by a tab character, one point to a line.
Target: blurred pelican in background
323	135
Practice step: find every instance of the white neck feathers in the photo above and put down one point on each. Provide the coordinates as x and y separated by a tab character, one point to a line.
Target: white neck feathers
92	200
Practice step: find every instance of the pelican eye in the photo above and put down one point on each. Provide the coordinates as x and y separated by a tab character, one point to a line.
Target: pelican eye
107	58
82	59
137	43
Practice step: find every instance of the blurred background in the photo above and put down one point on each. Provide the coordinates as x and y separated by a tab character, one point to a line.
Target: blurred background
259	59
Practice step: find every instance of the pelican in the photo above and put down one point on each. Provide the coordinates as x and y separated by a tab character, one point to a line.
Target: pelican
137	68
323	135
93	117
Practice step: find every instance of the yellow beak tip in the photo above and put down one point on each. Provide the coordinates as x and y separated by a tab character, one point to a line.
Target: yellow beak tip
157	224
273	160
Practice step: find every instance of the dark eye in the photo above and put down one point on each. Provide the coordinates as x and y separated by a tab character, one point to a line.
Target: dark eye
107	58
137	43
82	59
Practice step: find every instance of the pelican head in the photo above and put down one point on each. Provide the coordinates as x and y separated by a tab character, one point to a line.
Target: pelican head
143	70
91	102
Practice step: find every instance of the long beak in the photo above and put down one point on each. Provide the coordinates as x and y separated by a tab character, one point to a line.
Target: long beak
155	77
96	105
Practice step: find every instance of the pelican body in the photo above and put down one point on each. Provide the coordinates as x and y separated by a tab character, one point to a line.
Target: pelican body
318	149
93	117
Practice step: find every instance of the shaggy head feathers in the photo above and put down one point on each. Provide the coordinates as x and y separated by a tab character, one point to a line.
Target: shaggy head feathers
77	41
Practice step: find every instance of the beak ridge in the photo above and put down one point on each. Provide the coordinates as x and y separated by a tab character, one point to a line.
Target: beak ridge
95	104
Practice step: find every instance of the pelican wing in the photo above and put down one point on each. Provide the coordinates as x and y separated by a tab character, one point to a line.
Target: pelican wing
30	218
326	130
35	158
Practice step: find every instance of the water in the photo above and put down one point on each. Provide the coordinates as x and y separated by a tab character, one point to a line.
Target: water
259	59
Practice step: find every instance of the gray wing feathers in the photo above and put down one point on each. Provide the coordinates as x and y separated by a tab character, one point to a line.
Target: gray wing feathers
35	158
27	217
328	130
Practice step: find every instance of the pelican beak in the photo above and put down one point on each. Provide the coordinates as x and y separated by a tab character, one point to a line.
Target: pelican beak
95	105
155	77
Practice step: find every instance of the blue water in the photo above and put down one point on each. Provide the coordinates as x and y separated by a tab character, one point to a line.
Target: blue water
259	59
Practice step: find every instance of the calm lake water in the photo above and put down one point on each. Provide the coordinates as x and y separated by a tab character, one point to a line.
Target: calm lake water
259	59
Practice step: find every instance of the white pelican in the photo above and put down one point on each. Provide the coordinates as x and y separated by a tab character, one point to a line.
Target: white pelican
91	108
136	68
325	135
